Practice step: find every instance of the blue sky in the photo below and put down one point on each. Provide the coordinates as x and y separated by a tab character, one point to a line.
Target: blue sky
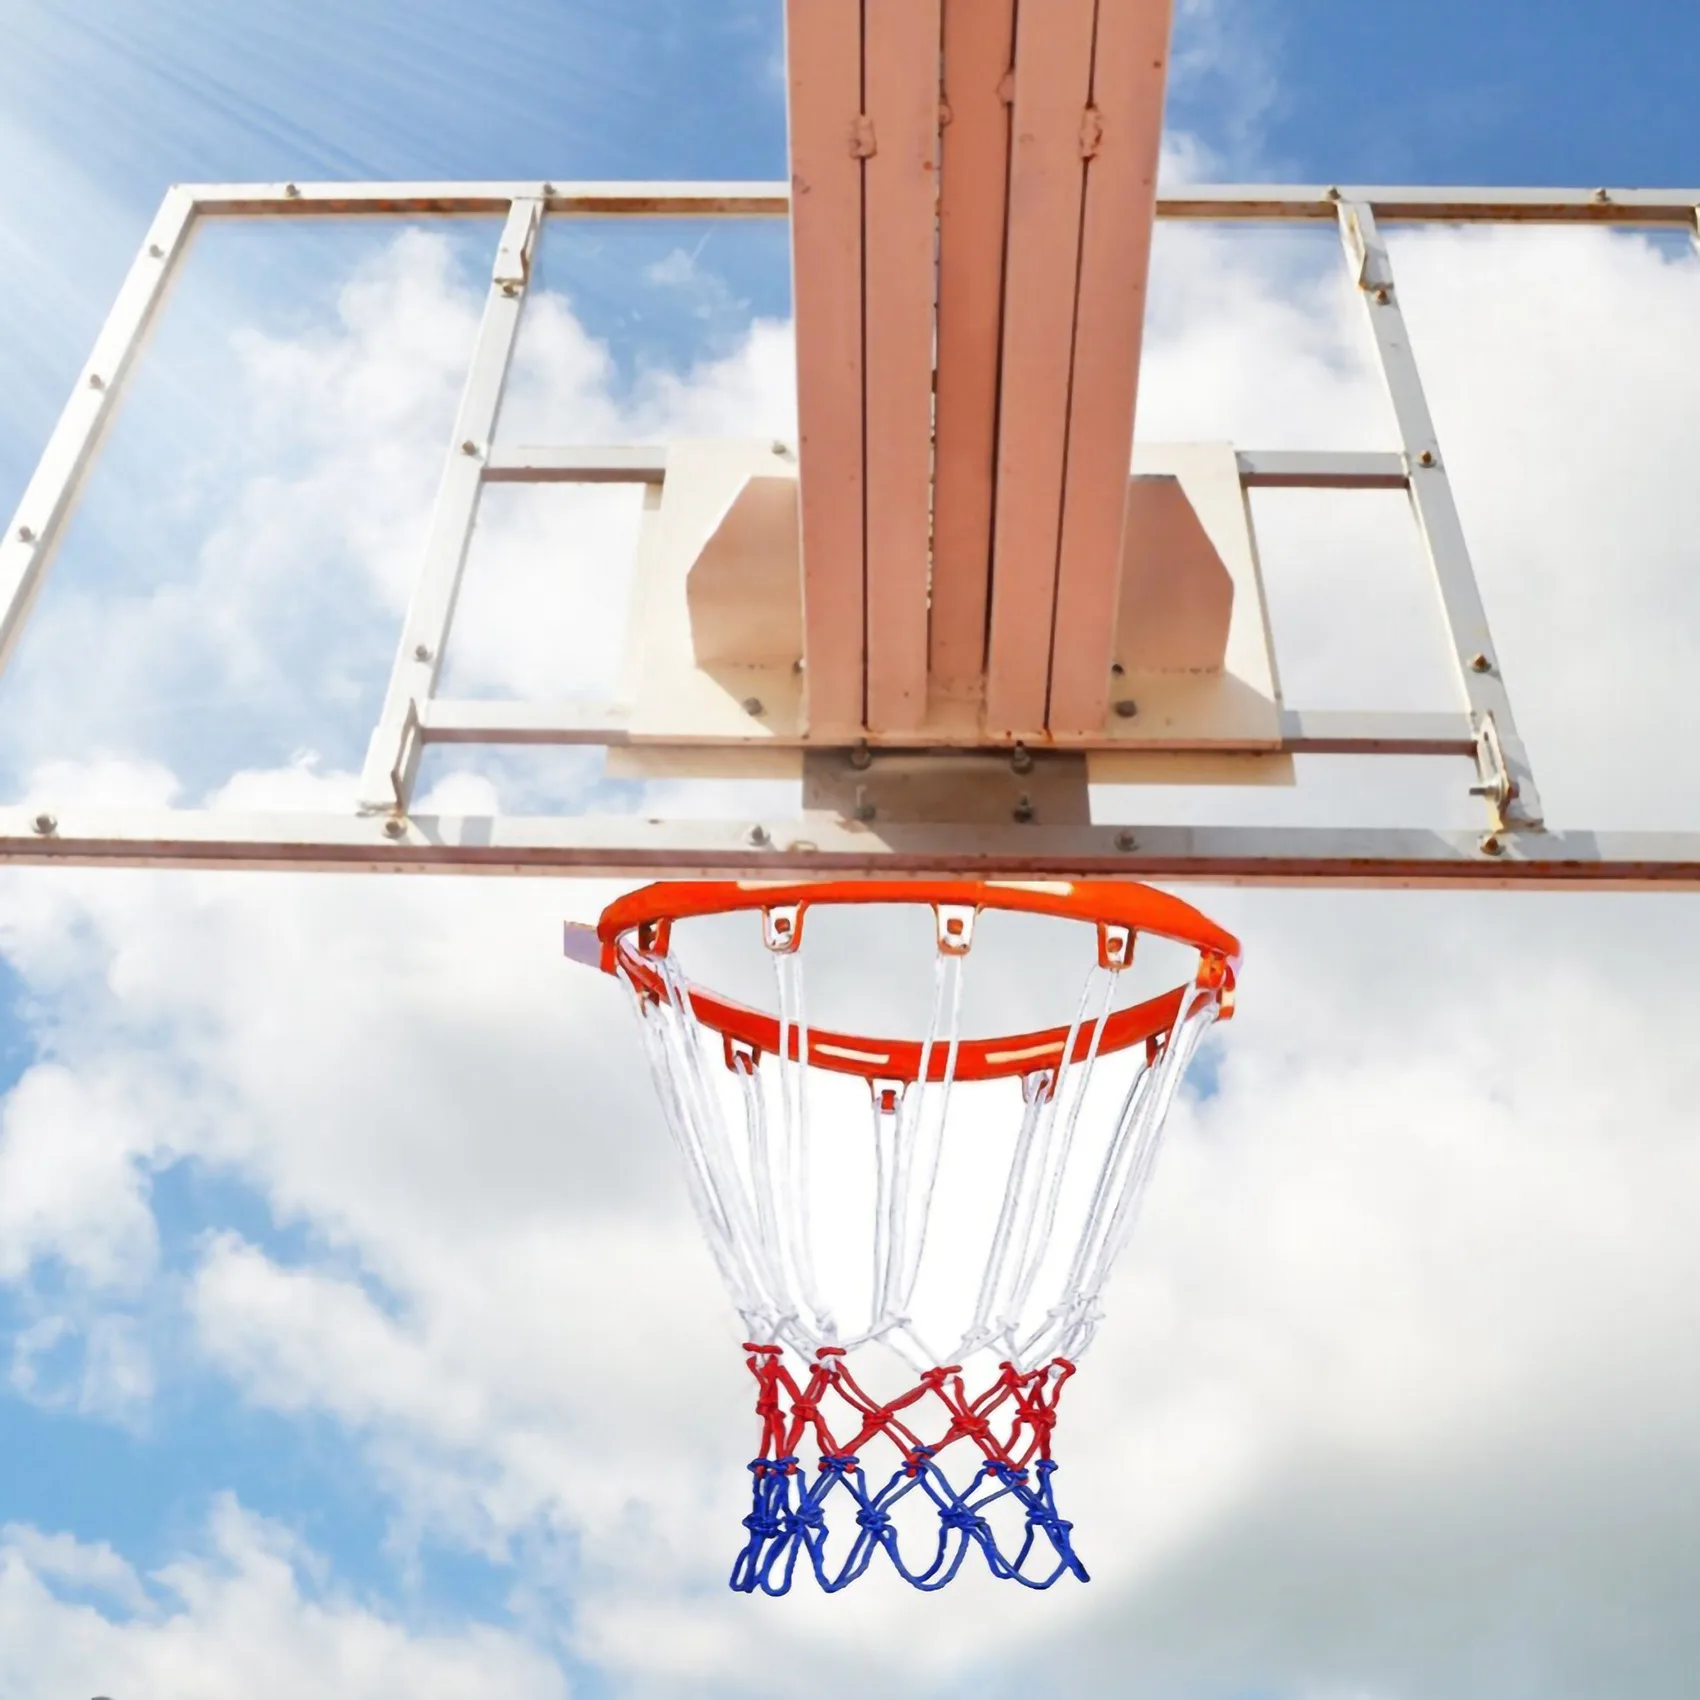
103	104
1460	91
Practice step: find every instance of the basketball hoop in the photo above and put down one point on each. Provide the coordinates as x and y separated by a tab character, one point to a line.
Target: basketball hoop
747	1096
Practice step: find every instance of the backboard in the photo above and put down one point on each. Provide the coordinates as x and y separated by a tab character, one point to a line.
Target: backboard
963	604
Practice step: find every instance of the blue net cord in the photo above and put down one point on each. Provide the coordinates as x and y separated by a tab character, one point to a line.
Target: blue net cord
788	1521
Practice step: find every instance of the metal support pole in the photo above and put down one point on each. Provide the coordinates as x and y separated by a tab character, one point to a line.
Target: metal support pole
29	541
1437	513
392	760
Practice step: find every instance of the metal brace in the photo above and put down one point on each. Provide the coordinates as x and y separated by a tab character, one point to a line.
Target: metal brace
1373	272
401	775
512	270
1494	776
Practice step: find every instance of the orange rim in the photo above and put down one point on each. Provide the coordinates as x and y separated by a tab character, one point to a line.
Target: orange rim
635	931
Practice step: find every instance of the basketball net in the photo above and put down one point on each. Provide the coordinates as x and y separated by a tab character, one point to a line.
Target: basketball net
945	1466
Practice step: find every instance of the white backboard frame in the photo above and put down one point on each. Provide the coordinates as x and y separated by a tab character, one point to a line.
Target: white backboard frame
1513	846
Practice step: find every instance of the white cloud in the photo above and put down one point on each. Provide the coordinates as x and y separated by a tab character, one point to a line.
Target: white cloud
62	1559
72	1182
246	1615
93	1364
1395	1396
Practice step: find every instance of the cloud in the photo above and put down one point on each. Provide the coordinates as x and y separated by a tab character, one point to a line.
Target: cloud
62	1560
249	1612
1396	1395
89	1362
71	1181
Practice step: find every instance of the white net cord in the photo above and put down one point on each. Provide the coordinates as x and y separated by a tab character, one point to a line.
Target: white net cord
1066	1206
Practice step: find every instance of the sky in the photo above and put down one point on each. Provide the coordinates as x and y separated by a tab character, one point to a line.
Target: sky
353	1330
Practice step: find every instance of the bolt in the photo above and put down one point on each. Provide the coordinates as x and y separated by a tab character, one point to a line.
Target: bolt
1480	664
781	449
1493	845
395	827
1602	194
754	705
46	825
1126	709
1117	669
548	188
25	535
422	652
1024	808
291	191
861	758
1021	759
96	381
469	447
1126	841
510	288
1333	193
797	665
759	836
155	252
1426	458
1384	295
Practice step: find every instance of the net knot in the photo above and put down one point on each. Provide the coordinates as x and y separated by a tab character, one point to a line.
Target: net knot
958	1515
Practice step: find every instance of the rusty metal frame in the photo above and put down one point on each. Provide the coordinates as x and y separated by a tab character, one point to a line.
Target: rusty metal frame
1513	849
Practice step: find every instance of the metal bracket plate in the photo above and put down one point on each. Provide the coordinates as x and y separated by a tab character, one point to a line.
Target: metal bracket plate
977	788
